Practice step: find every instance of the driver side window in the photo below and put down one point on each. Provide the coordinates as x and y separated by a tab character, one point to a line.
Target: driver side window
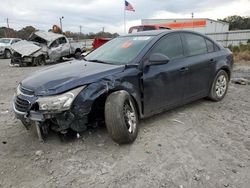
170	46
54	44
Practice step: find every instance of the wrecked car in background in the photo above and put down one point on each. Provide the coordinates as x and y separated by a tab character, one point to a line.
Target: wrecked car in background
128	78
44	47
5	46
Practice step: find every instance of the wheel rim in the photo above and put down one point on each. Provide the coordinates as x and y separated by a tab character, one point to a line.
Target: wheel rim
221	85
8	54
130	116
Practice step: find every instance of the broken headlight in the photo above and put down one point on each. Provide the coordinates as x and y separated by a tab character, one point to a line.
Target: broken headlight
59	102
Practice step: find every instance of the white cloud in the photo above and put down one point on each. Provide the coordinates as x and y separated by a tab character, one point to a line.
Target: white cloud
95	14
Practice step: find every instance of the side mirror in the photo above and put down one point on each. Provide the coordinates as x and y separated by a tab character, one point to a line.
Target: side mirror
158	59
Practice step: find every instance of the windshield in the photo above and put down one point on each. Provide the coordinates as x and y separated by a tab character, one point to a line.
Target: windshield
120	50
6	41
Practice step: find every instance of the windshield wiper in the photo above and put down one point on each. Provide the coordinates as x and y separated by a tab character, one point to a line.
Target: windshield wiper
98	61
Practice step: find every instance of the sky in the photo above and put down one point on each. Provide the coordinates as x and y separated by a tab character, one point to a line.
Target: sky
93	15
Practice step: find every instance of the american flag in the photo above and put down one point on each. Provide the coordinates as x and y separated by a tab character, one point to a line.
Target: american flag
129	7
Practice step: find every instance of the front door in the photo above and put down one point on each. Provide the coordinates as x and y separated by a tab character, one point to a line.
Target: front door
54	50
163	85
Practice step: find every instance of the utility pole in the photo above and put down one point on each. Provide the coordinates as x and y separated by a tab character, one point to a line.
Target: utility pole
61	23
80	32
8	26
103	29
192	15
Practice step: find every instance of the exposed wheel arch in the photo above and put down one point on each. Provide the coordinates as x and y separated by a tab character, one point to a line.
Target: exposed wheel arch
78	53
97	108
226	69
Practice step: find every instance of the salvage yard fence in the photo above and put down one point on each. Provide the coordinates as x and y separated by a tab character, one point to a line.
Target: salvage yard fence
231	37
224	38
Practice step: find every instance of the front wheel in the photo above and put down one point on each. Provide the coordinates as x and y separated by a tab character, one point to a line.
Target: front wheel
40	60
121	117
7	54
219	87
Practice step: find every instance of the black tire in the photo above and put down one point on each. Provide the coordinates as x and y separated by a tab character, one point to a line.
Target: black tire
39	61
7	54
78	54
118	106
214	94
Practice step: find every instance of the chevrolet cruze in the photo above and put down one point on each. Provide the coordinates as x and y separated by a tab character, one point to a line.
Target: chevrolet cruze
129	78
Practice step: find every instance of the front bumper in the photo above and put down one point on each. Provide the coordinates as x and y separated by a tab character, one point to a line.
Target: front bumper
30	115
58	121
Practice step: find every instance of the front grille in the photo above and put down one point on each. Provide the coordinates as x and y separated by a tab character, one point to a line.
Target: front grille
21	104
26	91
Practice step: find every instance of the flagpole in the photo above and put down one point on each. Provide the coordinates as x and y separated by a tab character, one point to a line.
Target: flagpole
124	20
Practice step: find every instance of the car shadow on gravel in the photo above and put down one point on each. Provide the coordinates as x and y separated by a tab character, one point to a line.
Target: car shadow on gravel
95	133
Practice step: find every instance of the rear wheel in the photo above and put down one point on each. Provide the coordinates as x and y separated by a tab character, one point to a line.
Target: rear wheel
121	117
7	54
219	87
78	54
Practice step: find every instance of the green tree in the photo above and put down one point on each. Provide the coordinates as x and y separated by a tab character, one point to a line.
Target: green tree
237	22
25	32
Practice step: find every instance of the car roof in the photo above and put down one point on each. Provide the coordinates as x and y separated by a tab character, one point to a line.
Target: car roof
162	32
48	36
149	33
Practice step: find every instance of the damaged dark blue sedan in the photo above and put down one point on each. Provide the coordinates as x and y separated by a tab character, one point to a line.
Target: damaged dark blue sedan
127	79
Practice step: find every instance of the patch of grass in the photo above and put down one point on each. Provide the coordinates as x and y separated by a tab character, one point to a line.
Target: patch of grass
241	53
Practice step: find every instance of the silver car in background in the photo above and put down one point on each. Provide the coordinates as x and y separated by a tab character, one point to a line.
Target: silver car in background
5	46
45	47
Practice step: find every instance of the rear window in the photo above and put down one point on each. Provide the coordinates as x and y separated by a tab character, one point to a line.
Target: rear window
62	40
148	28
195	44
210	46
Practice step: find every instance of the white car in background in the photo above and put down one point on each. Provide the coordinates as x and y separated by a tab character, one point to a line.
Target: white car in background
5	49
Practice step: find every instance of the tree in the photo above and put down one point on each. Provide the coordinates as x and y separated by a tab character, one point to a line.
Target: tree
237	22
25	32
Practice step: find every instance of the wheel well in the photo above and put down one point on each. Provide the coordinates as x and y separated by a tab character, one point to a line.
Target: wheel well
78	50
227	71
98	105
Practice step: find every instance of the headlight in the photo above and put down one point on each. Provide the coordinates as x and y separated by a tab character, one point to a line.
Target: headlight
59	102
18	91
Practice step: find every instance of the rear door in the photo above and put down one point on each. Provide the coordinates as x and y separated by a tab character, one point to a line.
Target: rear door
198	64
163	85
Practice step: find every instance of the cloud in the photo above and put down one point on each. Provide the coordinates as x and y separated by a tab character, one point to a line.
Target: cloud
92	15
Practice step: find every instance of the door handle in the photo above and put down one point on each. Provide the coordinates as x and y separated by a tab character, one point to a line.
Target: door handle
212	60
184	69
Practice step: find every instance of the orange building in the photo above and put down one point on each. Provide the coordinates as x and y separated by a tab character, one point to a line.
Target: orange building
203	25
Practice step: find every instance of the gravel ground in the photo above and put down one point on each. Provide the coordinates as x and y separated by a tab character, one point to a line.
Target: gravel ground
202	144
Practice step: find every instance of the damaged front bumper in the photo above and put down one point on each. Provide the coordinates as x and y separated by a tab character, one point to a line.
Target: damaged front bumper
29	108
17	59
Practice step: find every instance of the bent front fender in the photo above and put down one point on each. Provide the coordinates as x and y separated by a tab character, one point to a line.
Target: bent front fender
83	103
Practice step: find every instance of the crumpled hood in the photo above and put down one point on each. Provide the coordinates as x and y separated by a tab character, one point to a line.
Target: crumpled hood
62	77
25	48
